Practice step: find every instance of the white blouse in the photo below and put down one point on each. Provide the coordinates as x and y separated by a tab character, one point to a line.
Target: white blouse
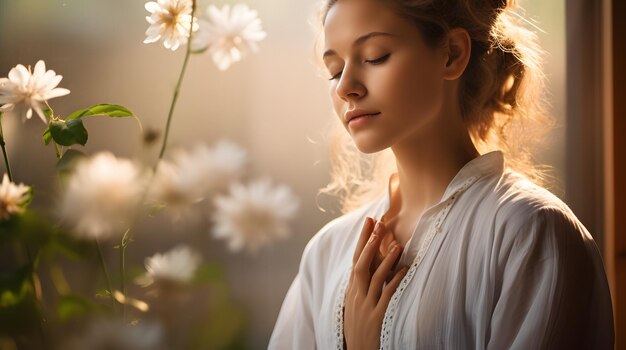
502	263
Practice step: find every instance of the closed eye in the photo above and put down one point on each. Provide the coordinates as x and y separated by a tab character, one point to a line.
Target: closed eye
336	76
376	61
379	60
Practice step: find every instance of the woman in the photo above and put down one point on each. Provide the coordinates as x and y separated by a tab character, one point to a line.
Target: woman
470	251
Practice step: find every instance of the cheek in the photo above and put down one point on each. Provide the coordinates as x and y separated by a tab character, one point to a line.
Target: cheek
414	89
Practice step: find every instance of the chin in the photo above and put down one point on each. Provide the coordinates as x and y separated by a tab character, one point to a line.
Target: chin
369	147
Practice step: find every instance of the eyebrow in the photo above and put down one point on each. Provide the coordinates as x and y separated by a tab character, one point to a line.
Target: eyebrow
358	41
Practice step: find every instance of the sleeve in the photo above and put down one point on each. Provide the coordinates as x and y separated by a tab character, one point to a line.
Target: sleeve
552	291
294	328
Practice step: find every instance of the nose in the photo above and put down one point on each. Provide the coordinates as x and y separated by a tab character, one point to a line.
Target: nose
350	86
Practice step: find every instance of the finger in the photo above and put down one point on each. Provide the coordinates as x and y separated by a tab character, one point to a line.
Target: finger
362	268
393	268
390	289
388	239
365	234
379	277
386	242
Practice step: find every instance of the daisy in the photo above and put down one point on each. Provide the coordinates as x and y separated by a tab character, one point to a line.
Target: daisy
252	216
177	265
24	90
229	34
170	20
191	176
102	194
12	198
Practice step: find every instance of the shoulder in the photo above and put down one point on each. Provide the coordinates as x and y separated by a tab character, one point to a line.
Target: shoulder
521	202
532	217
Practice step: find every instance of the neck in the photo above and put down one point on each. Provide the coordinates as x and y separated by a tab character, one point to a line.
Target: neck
428	162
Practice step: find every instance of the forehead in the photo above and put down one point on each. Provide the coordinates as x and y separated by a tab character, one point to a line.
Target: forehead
348	19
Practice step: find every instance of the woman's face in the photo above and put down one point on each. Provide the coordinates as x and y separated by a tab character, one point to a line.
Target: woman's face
380	66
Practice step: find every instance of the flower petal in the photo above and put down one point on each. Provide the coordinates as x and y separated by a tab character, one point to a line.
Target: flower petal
19	74
40	68
40	113
152	7
7	107
58	92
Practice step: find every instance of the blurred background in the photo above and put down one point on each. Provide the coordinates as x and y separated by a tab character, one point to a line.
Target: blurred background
273	103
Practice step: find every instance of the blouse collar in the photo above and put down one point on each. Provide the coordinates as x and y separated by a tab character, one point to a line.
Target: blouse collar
483	165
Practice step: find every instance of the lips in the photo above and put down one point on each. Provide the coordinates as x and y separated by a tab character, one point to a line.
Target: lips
355	113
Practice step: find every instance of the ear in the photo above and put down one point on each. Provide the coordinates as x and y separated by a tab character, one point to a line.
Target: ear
458	49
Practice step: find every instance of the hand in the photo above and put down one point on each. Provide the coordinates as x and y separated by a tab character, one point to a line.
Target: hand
366	299
387	241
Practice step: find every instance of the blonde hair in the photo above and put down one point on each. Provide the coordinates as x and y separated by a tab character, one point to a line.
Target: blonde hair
501	93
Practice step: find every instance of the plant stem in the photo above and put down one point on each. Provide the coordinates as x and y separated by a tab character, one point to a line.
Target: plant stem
31	262
123	245
180	80
51	116
56	149
34	280
4	151
106	273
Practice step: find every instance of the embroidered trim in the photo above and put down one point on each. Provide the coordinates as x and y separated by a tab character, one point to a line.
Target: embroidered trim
385	335
339	305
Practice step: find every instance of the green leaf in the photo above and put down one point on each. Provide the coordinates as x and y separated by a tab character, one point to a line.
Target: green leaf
19	310
47	136
103	294
110	110
68	133
199	51
77	133
72	305
29	198
15	286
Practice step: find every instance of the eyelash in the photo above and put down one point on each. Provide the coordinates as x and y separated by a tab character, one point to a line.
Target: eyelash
376	61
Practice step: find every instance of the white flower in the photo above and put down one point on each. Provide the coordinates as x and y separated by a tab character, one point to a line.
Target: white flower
104	334
177	265
170	20
194	175
12	197
24	91
229	34
254	215
102	195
